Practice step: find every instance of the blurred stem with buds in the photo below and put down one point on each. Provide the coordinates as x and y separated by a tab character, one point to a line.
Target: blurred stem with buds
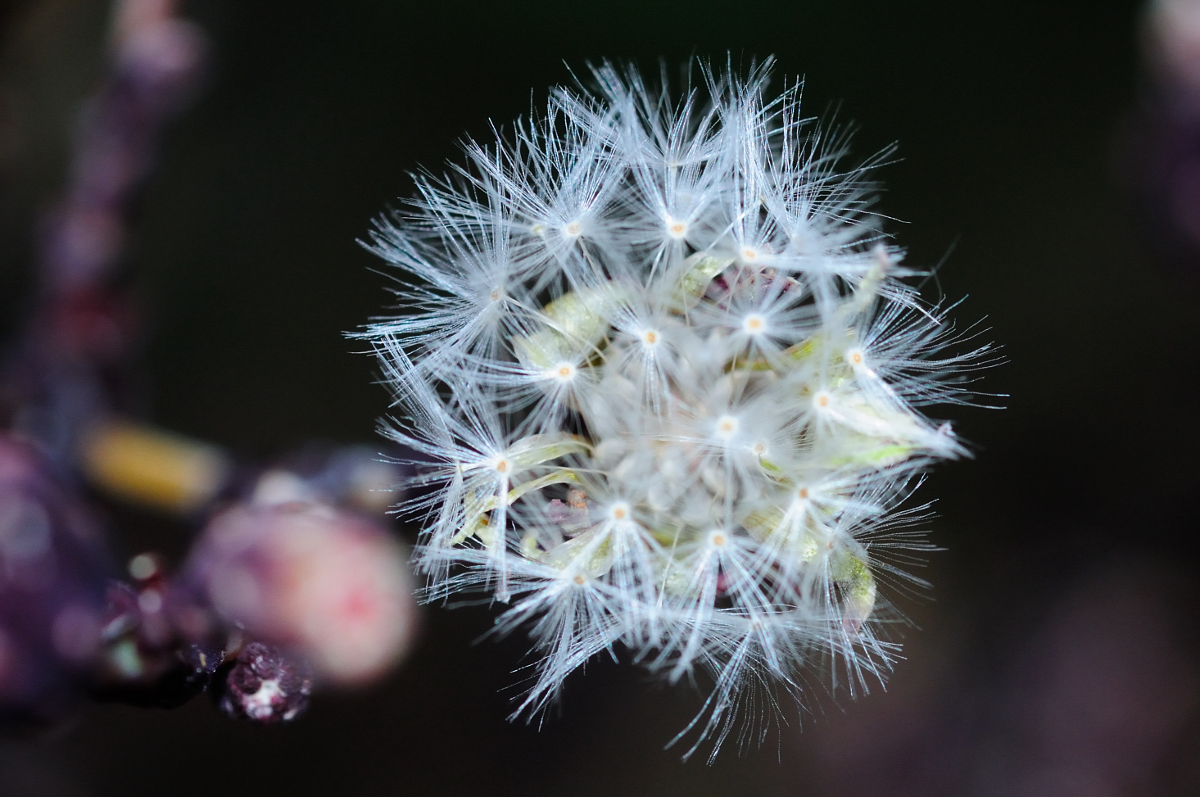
293	580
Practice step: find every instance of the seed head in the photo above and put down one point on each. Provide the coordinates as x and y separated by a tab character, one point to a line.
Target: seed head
684	419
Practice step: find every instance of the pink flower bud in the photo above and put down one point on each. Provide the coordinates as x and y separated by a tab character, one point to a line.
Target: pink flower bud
330	585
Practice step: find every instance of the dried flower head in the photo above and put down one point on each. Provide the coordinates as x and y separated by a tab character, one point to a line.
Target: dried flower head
52	576
662	375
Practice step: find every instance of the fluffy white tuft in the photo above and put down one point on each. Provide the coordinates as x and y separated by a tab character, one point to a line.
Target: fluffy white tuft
661	375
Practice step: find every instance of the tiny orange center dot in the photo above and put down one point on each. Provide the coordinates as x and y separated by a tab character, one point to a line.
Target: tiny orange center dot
823	401
718	539
804	492
578	580
501	466
677	229
749	254
619	513
856	357
564	371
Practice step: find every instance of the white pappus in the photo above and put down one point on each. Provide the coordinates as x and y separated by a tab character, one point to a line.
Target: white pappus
660	372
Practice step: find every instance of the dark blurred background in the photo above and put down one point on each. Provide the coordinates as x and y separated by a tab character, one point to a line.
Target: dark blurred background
1057	653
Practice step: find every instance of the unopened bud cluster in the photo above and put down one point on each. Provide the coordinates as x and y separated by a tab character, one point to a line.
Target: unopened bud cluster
662	375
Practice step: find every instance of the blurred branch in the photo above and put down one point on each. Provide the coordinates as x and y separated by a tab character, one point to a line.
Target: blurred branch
294	581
